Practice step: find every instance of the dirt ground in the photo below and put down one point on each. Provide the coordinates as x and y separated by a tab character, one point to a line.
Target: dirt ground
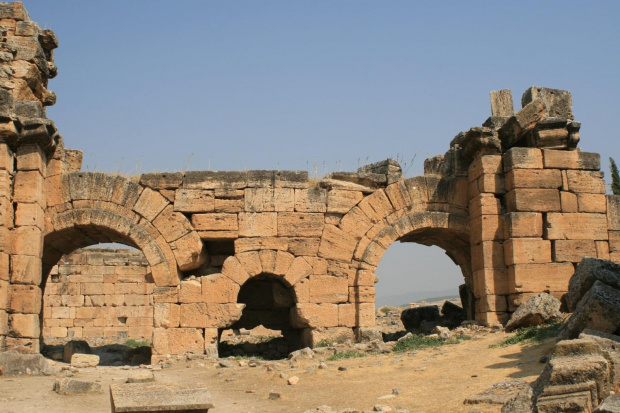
431	380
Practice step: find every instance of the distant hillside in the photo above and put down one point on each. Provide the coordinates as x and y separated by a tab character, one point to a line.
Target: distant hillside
413	296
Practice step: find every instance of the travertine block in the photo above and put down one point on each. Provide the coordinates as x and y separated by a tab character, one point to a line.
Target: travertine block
569	201
490	281
4	323
571	160
539	277
488	183
30	157
269	199
524	224
298	270
487	228
492	318
24	325
25	299
177	340
523	158
484	204
576	226
533	178
150	204
304	246
328	289
166	294
341	201
283	261
585	182
268	261
6	158
262	224
301	291
356	223
362	294
602	250
515	300
573	250
201	315
172	225
190	291
362	278
215	222
487	164
336	244
311	200
535	200
527	251
217	288
356	315
233	269
28	187
7	212
302	224
231	206
593	203
492	303
25	269
314	315
261	243
487	254
4	295
251	262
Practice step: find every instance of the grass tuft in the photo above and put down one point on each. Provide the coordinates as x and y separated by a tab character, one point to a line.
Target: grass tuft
532	335
136	343
415	342
346	355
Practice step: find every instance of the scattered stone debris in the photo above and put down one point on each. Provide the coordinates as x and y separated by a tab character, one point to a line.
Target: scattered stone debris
13	363
274	395
499	393
75	347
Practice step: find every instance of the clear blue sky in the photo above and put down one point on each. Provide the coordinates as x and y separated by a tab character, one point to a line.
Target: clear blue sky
228	85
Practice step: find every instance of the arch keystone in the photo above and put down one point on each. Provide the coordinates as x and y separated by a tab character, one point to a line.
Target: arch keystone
298	270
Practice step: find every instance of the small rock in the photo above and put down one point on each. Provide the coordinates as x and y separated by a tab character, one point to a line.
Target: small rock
322	365
381	408
274	395
229	379
283	375
396	391
243	363
250	391
387	396
141	376
342	368
293	380
543	359
303	354
252	363
225	364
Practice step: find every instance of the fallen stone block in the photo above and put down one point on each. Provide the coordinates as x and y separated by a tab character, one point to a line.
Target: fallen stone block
413	317
599	309
143	397
588	271
13	363
69	386
535	311
84	360
141	376
610	405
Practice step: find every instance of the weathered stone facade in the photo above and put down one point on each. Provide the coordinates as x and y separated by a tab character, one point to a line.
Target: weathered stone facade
513	203
103	296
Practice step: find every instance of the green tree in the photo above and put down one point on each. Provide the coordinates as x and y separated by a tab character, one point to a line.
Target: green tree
615	177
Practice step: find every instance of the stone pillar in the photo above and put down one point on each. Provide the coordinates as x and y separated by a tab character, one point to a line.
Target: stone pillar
27	247
486	187
556	215
7	162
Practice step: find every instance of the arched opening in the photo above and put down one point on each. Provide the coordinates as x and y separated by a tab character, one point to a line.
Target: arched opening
264	328
100	297
415	272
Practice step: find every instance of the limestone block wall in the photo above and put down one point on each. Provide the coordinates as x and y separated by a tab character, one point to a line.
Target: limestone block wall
103	296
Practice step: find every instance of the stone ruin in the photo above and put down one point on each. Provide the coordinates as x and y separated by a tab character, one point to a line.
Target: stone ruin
514	203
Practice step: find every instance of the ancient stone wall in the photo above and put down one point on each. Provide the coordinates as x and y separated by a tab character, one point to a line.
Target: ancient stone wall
513	202
103	296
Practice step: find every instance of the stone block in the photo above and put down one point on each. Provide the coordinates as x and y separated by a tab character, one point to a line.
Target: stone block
486	164
162	180
217	288
177	340
251	262
25	269
300	224
4	323
166	294
190	291
28	187
328	289
278	264
233	269
524	224
172	225
149	397
25	299
314	315
487	254
571	160
576	226
602	250
592	203
304	246
341	201
231	206
484	204
488	183
263	224
30	157
362	294
201	315
362	278
527	251
492	303
533	178
558	103
298	270
7	160
569	201
490	281
24	325
487	228
492	318
215	222
501	103
540	277
336	244
590	182
261	243
150	204
269	199
523	158
84	360
573	250
534	200
356	315
189	253
356	223
214	180
311	200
